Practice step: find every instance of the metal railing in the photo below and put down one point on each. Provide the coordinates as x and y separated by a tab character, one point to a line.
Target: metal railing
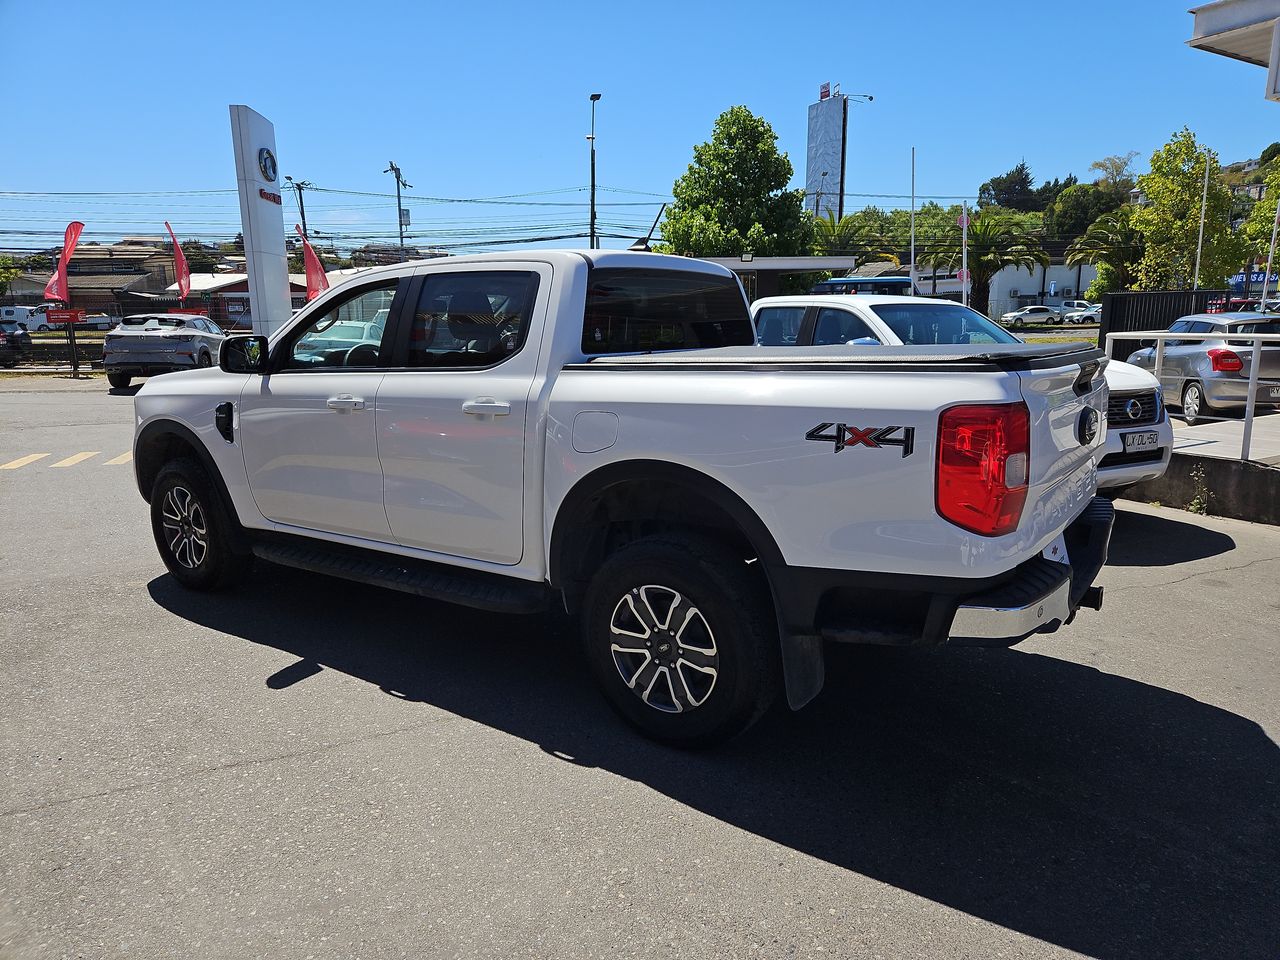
1256	340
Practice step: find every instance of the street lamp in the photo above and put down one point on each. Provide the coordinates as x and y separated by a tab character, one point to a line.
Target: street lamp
592	139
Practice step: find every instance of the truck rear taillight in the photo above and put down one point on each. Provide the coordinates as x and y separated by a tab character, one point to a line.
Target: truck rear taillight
983	459
1225	361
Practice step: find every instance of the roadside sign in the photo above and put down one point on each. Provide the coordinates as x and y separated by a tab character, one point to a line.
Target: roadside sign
404	216
962	276
60	317
1053	287
962	221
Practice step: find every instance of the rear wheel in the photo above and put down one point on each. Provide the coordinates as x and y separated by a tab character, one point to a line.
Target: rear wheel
204	360
1194	406
193	531
681	640
43	328
119	380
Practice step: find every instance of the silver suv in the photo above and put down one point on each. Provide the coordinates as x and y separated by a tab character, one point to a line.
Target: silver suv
148	344
1210	376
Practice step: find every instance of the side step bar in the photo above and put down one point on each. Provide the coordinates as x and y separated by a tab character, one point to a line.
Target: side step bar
469	588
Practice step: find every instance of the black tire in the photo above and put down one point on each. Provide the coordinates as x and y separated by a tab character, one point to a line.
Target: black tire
119	381
720	597
43	328
1194	405
194	533
204	360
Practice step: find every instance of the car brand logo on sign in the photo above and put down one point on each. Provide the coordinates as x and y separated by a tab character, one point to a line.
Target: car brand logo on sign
842	435
1133	409
267	164
1087	429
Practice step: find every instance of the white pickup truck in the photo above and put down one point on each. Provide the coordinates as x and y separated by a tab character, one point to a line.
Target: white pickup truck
597	429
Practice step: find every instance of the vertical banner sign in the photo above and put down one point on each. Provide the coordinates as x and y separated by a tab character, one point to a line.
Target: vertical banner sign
261	218
181	272
56	288
317	282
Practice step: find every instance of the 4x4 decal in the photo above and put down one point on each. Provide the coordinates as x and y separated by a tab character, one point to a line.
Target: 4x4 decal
842	435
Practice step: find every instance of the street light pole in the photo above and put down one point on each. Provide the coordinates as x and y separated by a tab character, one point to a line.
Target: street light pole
400	182
594	98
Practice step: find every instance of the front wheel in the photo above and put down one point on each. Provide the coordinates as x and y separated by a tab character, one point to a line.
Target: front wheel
193	530
43	328
681	639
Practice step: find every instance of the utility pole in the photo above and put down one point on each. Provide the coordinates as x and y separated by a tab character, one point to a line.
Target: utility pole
964	252
595	97
913	222
400	182
1204	203
299	186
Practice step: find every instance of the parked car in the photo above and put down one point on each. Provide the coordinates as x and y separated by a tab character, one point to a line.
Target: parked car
1037	313
1092	315
15	343
597	431
147	344
1071	306
1210	376
1127	456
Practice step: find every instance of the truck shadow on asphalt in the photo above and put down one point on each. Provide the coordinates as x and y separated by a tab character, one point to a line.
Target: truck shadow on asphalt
1146	540
1104	815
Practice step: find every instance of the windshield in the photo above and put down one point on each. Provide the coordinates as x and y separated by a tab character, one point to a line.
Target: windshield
929	323
153	323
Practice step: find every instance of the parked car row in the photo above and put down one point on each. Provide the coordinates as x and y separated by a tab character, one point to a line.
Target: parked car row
1139	437
1071	311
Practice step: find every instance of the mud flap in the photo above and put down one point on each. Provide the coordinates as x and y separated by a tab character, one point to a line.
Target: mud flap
803	668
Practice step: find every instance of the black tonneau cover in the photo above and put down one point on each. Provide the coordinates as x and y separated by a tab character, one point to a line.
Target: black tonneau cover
1005	356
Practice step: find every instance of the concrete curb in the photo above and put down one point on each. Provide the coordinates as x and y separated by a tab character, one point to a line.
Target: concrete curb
1240	489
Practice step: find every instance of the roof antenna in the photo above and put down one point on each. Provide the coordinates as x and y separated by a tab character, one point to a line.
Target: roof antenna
642	245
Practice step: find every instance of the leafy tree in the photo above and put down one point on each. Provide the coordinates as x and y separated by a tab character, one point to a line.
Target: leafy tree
1270	153
832	237
200	258
1076	208
1014	190
1050	190
1115	174
733	199
1170	220
8	270
995	242
1256	229
1114	244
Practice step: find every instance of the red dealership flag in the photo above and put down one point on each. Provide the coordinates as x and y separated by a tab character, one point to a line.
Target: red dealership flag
317	282
181	272
56	288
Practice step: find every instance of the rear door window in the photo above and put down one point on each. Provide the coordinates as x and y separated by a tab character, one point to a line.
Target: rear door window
779	326
635	311
840	326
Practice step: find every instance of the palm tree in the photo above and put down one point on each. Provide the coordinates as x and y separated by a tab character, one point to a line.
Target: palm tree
832	237
1113	240
995	242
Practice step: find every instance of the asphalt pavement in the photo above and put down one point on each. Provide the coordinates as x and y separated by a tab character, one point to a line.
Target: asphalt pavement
303	767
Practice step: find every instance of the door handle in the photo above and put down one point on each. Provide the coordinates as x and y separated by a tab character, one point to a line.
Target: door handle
486	406
345	403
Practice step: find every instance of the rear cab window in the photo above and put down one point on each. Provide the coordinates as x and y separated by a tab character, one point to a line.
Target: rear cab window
640	311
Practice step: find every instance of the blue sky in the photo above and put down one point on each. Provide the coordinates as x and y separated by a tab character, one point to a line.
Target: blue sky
485	99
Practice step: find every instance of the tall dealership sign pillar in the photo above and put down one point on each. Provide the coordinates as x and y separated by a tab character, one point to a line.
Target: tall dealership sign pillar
261	218
825	152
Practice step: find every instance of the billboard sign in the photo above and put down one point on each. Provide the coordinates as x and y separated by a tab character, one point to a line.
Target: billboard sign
825	156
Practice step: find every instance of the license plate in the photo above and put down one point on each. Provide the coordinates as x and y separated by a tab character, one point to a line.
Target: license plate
1275	393
1134	442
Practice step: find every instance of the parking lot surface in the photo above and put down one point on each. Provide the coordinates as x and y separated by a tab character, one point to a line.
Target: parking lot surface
306	767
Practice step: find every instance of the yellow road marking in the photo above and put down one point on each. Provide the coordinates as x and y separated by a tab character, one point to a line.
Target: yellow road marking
75	458
23	461
123	458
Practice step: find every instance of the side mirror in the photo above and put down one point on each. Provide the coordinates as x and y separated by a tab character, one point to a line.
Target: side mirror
243	355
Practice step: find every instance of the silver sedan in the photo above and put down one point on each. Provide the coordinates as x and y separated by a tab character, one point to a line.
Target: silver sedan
1211	376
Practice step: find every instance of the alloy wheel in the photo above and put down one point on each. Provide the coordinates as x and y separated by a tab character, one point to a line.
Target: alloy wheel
1191	402
663	648
185	528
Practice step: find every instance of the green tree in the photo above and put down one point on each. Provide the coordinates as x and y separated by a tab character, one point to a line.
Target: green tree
1256	229
832	237
995	242
1114	244
733	199
8	270
200	257
1049	191
1270	153
1015	190
1169	220
1076	208
1115	174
